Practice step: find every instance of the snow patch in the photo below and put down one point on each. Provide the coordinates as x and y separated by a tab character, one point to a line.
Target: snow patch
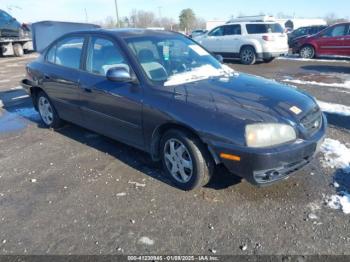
197	74
298	58
341	202
146	241
337	155
334	108
346	84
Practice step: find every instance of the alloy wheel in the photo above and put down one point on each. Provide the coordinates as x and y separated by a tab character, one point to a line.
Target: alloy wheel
247	56
45	110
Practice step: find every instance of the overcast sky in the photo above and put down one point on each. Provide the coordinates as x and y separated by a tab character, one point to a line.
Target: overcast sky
98	10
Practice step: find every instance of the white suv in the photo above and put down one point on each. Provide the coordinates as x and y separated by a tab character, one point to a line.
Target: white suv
248	41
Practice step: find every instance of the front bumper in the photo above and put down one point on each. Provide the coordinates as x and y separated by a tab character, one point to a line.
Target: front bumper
264	166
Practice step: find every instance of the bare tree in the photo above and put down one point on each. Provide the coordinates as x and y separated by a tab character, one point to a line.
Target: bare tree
331	18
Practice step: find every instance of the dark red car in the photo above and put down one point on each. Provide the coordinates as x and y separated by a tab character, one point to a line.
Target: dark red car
334	40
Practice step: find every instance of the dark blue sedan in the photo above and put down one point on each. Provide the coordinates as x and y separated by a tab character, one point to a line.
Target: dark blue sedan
163	93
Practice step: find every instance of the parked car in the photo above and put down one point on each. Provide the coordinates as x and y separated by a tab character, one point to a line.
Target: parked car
162	93
303	31
248	41
334	40
198	32
9	26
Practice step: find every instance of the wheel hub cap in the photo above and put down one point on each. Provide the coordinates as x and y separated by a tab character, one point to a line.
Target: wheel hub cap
178	160
45	110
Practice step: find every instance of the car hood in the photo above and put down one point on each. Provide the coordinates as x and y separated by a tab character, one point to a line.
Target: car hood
249	98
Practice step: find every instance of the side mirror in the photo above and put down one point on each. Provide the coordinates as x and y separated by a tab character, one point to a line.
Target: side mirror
119	74
219	58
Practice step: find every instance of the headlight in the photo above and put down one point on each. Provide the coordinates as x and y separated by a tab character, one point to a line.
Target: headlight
265	135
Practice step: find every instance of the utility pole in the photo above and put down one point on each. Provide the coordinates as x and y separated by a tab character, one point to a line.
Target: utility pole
116	11
160	15
86	16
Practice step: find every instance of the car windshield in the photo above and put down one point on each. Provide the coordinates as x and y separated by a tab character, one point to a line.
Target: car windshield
175	60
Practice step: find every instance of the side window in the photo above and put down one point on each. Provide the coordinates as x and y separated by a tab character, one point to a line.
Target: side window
335	31
219	31
138	46
232	30
348	29
51	55
67	52
103	55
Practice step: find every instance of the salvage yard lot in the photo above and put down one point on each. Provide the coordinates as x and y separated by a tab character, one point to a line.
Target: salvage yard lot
75	192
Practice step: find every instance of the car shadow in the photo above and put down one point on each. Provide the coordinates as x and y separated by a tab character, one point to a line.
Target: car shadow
130	156
338	120
327	69
137	159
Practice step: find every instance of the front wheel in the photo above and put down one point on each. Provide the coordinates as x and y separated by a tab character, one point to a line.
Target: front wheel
307	52
47	111
185	159
248	56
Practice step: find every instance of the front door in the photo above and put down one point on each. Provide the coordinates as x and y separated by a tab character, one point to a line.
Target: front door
213	41
111	108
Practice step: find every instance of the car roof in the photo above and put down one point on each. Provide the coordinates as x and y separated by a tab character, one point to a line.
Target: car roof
252	22
128	32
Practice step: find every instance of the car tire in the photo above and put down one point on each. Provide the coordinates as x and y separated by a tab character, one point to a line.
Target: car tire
307	52
47	111
269	60
194	164
248	55
18	50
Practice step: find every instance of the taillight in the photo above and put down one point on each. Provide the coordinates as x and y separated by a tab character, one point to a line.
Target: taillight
267	38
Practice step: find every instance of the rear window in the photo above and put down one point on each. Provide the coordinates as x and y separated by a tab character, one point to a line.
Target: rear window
264	28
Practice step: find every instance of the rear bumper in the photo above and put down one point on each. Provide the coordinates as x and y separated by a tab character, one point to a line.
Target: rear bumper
269	55
266	166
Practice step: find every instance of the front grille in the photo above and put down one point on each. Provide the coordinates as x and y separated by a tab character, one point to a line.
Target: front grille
312	121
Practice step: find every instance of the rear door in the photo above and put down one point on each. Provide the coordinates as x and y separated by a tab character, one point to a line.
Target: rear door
61	74
332	40
213	41
111	108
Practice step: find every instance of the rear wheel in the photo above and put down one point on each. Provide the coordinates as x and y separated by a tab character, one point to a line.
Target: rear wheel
307	52
18	50
185	159
47	112
248	55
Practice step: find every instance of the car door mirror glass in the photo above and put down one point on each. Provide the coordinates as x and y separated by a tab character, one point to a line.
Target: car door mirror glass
119	74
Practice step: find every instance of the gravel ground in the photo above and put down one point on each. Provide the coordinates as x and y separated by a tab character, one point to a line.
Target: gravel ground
74	192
